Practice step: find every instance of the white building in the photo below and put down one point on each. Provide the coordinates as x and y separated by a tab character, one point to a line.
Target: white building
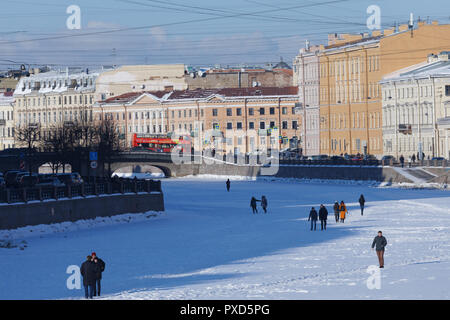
55	97
6	121
306	77
416	109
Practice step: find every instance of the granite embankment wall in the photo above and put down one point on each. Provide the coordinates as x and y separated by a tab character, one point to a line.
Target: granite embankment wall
55	211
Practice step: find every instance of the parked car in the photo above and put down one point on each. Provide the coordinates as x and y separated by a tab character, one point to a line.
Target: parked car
320	157
369	157
337	159
2	182
70	179
27	181
11	177
387	159
437	158
50	181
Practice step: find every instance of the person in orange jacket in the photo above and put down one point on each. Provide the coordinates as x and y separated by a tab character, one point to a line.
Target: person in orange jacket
342	211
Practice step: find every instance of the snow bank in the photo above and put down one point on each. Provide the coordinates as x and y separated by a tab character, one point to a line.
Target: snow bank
44	229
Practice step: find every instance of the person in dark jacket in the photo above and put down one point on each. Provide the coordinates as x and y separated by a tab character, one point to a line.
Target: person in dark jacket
264	203
402	160
253	205
379	243
323	216
228	183
313	218
336	211
361	203
89	271
100	268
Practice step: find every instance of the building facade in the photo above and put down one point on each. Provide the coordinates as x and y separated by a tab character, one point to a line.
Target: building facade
230	120
6	120
53	98
416	109
351	67
306	77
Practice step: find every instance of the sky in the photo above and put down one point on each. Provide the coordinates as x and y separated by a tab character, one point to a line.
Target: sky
195	32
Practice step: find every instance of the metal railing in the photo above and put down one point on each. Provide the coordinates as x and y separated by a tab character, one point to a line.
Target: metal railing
92	188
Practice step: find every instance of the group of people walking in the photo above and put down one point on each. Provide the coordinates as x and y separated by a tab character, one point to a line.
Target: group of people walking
92	270
263	204
322	216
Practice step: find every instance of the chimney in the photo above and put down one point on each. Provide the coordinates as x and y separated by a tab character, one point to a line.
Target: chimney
444	56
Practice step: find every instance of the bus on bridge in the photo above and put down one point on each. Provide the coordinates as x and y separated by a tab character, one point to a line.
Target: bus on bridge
161	143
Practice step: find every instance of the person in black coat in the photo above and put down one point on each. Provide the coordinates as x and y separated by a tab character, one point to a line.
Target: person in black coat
362	201
264	203
89	271
253	205
100	268
379	243
336	211
228	185
323	216
313	218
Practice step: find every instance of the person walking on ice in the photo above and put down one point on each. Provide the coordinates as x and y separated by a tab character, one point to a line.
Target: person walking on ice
264	203
361	203
342	211
336	211
253	205
228	183
379	243
313	218
323	216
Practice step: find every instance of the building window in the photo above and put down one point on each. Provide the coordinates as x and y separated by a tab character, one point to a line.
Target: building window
229	125
239	125
272	124
262	125
251	125
272	110
229	112
261	111
285	125
447	91
284	110
294	125
214	112
251	111
239	112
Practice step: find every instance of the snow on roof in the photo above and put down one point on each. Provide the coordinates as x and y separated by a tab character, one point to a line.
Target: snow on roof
58	81
420	71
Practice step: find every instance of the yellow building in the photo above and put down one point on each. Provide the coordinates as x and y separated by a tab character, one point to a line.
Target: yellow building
351	67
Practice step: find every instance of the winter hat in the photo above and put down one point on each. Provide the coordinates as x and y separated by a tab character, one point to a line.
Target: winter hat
93	254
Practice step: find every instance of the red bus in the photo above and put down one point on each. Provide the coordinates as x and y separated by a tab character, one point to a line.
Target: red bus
160	143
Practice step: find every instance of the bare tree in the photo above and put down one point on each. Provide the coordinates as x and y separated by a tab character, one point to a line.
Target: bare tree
109	142
28	136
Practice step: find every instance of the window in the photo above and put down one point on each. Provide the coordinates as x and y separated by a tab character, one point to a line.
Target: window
272	110
251	125
251	111
261	110
284	110
272	124
285	125
239	125
229	125
239	112
229	112
447	91
262	125
294	125
214	112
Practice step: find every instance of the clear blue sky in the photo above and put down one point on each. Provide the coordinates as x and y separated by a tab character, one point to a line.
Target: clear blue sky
195	32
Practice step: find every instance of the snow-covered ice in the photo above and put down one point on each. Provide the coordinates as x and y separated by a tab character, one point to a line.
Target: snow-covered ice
208	245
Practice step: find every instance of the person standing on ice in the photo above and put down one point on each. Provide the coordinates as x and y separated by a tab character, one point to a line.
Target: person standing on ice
89	272
100	268
402	161
379	243
361	203
313	218
253	205
342	211
323	216
228	185
264	203
336	210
